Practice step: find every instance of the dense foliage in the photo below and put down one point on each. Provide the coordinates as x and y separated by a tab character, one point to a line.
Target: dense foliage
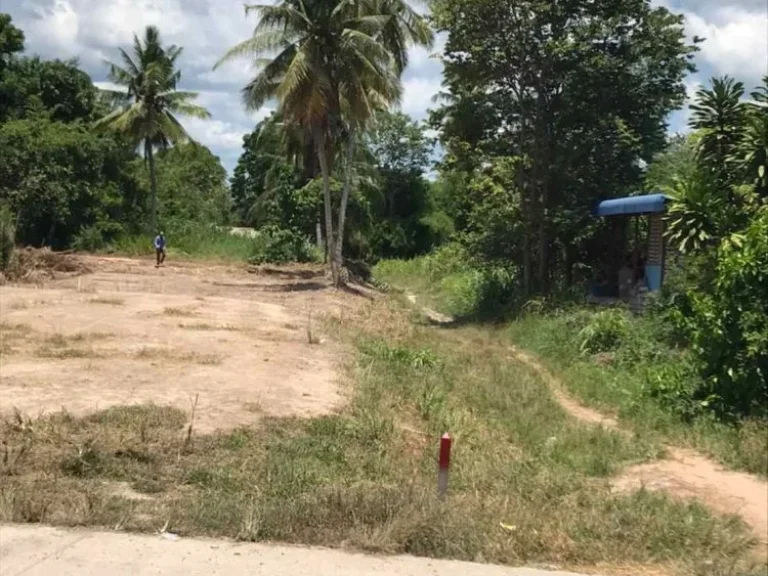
64	184
717	299
549	108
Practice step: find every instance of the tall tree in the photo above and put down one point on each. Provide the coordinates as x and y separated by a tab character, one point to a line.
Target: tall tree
329	66
753	155
578	91
146	110
11	40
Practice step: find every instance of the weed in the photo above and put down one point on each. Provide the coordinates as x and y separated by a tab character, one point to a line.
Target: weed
203	327
107	300
181	312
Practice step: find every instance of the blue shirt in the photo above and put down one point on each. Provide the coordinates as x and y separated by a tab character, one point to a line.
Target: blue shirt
159	243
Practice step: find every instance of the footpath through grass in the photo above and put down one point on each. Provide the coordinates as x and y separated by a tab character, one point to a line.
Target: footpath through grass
529	484
609	359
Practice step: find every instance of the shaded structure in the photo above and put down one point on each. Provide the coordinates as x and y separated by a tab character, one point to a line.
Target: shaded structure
635	259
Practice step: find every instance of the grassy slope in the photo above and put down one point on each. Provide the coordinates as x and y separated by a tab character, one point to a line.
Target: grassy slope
615	383
529	484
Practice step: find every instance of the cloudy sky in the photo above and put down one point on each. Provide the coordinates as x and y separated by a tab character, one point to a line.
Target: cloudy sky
736	33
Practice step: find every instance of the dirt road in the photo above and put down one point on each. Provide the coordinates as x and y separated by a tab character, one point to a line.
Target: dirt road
41	551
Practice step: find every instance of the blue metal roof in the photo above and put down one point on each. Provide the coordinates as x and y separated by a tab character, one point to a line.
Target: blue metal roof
648	204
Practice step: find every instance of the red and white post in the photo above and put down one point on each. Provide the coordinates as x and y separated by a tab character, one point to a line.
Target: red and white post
444	464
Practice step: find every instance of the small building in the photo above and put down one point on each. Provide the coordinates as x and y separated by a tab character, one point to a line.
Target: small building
638	222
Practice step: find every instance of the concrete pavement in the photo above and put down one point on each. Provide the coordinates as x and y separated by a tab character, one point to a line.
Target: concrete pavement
43	551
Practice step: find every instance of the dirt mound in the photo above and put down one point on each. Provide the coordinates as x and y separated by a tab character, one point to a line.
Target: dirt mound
37	265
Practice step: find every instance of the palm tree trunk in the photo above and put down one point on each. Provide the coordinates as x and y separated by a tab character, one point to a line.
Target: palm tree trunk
330	239
338	254
152	183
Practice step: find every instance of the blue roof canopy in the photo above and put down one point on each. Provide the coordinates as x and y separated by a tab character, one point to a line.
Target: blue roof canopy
649	204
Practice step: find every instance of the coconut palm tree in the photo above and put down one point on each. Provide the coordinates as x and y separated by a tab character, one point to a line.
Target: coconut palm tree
145	111
328	65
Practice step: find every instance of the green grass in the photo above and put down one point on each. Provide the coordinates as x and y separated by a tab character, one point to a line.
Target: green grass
202	243
443	279
620	380
623	380
528	485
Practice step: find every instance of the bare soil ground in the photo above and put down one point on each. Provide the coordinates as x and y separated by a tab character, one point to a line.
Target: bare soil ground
243	342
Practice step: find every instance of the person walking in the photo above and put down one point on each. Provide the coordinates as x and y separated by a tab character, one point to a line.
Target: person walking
160	249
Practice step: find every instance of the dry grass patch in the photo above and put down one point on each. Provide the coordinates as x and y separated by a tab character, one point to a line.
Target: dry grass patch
11	335
66	352
107	300
203	327
177	356
180	312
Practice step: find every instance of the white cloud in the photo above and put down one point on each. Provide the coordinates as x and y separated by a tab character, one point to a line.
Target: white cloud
215	133
736	41
92	30
418	94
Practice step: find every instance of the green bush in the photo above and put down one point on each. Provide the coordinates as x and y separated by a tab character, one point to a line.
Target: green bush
96	237
605	332
674	386
727	327
281	245
89	239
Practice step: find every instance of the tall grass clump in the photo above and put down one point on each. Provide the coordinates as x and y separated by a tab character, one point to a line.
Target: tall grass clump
450	281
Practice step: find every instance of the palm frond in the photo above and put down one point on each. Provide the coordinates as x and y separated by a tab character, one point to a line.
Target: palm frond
366	46
190	110
280	17
130	65
267	82
171	129
256	45
119	75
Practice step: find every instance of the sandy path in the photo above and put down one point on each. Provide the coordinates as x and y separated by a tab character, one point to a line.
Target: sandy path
684	474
